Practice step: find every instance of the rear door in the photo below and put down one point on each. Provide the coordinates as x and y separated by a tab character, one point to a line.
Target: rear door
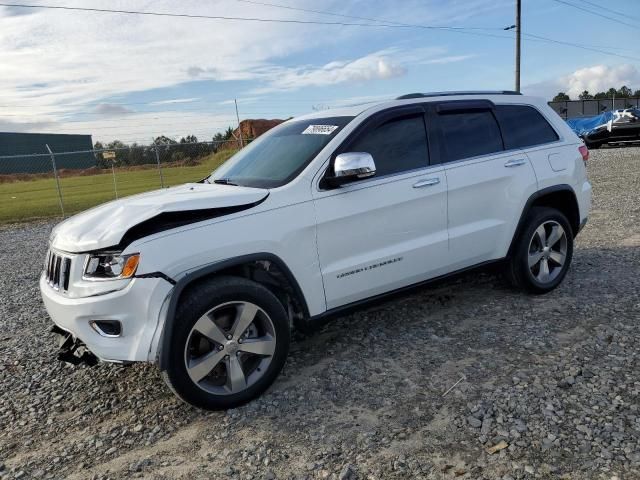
487	185
390	230
524	127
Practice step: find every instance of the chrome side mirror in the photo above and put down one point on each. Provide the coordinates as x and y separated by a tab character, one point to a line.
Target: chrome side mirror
348	167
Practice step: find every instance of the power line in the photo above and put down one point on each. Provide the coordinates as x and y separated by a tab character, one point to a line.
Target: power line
579	45
224	17
380	23
615	12
596	13
355	17
388	24
392	22
462	30
576	45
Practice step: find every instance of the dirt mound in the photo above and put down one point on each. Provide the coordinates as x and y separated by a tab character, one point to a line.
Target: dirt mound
251	129
255	128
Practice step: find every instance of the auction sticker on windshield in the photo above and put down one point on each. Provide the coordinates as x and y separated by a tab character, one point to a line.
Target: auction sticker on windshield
319	129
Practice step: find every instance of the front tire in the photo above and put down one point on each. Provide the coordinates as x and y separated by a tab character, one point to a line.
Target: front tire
230	341
543	251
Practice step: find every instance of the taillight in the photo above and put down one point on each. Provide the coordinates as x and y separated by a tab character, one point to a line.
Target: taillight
584	151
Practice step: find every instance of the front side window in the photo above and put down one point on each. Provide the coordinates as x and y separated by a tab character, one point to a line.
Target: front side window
279	155
523	126
469	134
396	146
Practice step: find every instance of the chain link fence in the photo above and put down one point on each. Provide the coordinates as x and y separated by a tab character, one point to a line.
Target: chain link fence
64	183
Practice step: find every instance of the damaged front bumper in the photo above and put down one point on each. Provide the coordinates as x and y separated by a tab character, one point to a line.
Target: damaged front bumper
72	350
135	309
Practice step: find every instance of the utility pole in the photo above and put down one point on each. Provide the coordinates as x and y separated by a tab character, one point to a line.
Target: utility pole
239	126
517	27
518	34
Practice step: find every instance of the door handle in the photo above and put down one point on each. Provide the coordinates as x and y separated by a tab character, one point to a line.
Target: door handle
427	182
515	162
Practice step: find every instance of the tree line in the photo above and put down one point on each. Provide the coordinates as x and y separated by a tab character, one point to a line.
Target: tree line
622	92
187	150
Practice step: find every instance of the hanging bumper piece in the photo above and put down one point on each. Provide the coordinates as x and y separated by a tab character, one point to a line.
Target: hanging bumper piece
73	350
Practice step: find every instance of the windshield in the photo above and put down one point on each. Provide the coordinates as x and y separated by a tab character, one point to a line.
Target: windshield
279	155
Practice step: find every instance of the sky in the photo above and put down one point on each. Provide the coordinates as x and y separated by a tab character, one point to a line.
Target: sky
135	77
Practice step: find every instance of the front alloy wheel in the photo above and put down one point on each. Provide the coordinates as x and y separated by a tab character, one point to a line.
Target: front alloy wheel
230	340
230	348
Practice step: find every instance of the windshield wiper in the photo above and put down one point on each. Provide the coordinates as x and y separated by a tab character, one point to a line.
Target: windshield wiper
224	181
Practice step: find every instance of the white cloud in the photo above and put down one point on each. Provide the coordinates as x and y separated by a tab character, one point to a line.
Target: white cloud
600	78
7	125
448	59
57	64
594	79
382	65
175	100
242	100
378	65
56	58
111	109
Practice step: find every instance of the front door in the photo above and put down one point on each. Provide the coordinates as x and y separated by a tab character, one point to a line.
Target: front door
388	231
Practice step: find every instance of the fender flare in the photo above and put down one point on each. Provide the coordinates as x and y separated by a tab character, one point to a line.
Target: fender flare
188	279
529	203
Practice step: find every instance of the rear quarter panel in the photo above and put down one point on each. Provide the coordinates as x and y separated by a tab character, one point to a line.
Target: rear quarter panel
560	163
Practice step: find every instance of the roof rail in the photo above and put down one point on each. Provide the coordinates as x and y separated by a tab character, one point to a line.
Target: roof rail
449	94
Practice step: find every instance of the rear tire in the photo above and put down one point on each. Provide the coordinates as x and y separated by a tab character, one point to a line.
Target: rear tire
542	252
230	341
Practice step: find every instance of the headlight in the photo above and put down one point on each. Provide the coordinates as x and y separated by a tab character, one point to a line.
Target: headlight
111	266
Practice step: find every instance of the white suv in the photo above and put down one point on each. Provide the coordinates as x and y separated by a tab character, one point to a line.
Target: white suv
325	212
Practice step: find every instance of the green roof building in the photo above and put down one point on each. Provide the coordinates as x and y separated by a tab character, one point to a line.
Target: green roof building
16	148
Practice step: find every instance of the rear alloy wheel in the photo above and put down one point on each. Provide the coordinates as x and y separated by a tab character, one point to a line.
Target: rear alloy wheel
542	252
230	341
547	251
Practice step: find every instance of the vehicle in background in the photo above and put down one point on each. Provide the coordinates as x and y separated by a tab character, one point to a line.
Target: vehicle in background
609	127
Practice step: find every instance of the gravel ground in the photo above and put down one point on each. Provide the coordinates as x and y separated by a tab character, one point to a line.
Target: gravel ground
552	382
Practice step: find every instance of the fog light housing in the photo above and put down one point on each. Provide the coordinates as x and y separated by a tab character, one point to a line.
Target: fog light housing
107	328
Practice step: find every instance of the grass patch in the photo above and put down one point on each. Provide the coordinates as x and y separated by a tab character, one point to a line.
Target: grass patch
27	200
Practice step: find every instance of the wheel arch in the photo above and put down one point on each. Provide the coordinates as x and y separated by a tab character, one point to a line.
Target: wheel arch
561	197
241	266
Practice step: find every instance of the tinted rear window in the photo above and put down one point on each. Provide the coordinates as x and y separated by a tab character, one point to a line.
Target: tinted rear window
469	134
524	126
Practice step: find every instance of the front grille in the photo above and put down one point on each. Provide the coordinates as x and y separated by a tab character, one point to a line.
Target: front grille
57	268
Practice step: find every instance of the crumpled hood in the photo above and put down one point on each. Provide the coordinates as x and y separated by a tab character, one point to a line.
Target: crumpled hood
105	225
